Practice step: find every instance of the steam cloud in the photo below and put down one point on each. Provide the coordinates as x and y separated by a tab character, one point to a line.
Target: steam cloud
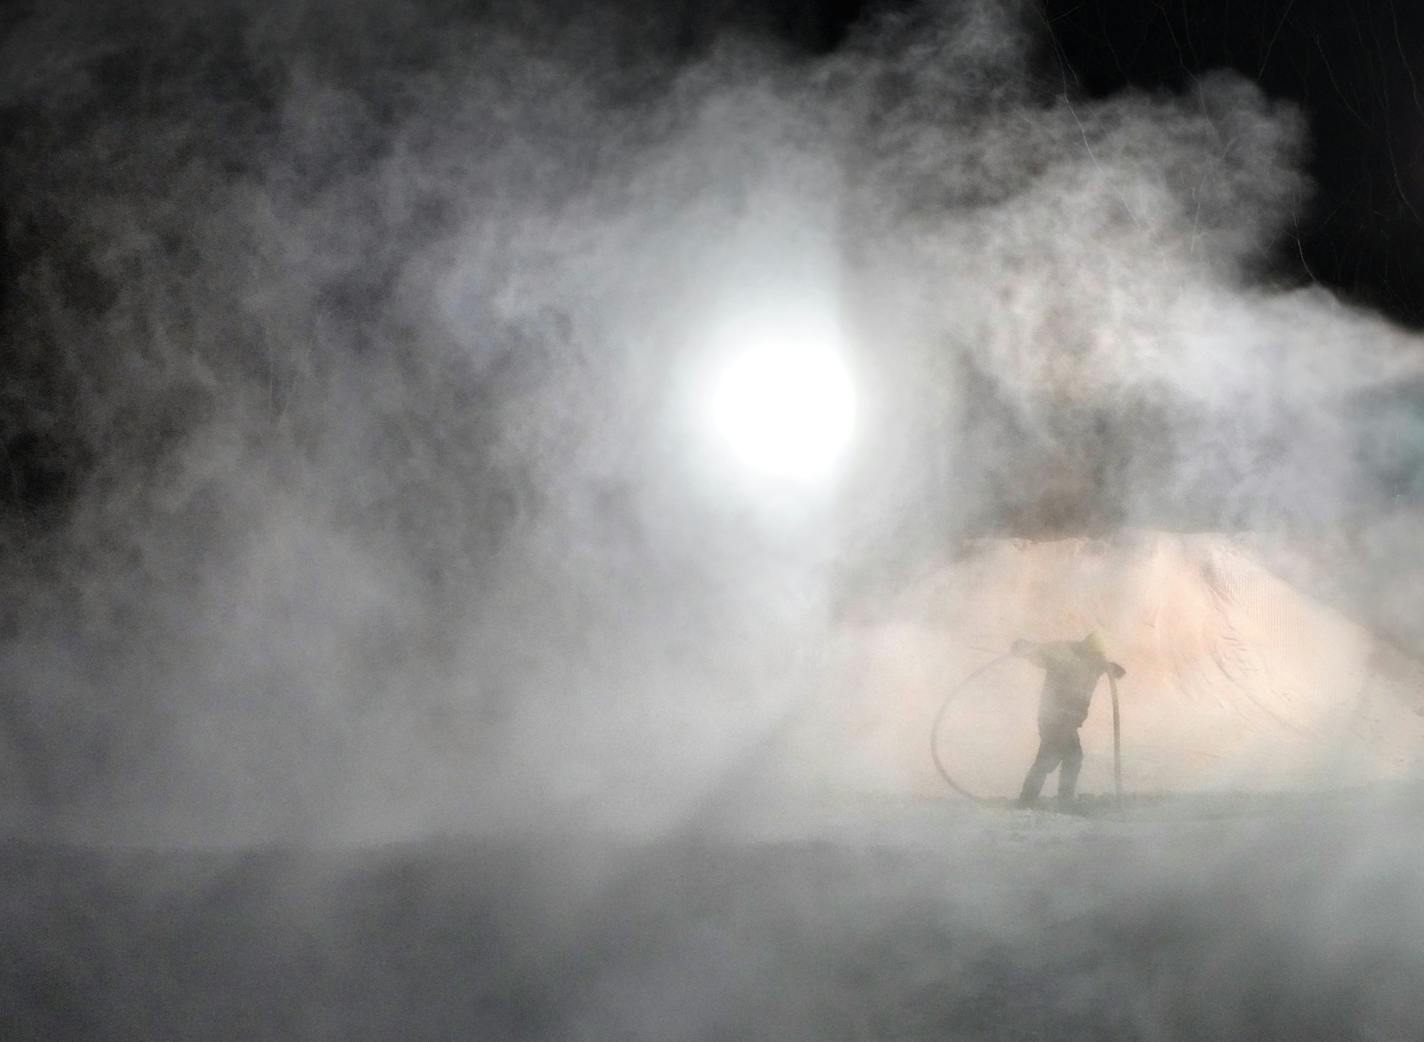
356	490
348	419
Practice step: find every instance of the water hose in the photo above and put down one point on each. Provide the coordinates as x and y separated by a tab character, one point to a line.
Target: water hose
939	719
1117	740
949	700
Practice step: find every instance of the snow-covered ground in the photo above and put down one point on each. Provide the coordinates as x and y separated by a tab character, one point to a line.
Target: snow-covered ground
881	919
822	885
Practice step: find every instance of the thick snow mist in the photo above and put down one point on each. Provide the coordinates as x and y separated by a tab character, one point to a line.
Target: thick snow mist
352	414
360	488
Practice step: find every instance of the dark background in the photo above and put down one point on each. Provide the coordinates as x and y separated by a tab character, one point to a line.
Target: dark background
1354	69
1348	66
1351	67
230	608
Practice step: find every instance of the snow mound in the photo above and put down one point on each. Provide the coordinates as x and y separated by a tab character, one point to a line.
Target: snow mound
1236	679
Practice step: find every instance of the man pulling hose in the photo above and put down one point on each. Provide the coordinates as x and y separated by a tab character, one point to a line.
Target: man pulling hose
1072	670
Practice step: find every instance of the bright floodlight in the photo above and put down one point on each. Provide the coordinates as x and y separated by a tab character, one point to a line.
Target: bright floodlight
785	405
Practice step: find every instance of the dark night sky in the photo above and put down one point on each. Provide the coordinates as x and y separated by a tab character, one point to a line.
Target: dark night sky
1355	69
1347	65
1352	69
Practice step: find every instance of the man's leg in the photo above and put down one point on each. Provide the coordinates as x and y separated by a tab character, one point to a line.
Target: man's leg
1049	753
1072	764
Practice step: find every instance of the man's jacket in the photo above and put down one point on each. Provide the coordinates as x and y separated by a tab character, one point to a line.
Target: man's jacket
1072	672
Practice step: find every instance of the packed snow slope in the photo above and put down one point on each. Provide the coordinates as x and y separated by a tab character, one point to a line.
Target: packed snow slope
1236	680
917	921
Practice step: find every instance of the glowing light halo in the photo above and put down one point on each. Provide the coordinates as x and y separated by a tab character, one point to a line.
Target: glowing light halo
784	403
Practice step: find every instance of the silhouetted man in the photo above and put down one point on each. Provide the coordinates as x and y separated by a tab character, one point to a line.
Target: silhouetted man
1073	669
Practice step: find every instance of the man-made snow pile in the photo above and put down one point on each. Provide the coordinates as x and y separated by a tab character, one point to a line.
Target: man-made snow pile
1236	680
